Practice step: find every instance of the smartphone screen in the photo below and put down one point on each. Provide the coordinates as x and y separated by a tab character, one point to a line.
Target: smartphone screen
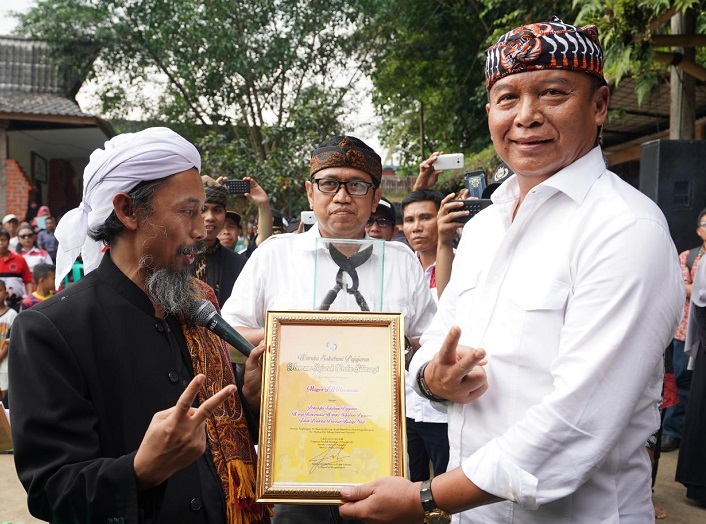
475	183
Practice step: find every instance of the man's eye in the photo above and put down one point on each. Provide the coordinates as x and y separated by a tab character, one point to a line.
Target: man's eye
328	184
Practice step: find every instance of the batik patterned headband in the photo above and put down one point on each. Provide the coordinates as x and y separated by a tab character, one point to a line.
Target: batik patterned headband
546	45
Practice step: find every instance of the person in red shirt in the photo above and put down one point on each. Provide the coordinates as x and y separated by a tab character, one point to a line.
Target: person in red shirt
15	272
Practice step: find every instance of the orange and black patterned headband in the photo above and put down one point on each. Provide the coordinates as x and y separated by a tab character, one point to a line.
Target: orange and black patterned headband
347	151
546	45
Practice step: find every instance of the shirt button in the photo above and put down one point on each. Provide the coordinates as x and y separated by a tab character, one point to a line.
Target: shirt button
173	377
159	327
195	504
184	383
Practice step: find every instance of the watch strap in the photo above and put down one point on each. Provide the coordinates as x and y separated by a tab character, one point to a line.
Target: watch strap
424	388
426	496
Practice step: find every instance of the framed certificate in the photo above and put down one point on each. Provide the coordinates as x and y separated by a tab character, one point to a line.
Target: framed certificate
332	411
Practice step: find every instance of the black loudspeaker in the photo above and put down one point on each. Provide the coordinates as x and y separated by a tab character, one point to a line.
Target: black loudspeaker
673	174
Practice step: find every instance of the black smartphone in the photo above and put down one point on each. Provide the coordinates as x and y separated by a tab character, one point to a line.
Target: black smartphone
473	205
237	187
475	183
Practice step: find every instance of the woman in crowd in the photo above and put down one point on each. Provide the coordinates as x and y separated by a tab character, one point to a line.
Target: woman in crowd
691	464
26	246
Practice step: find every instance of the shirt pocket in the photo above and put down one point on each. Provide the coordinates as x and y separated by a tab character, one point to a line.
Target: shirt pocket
467	297
537	313
541	295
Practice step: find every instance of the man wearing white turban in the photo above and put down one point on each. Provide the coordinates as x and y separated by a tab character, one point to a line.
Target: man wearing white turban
125	412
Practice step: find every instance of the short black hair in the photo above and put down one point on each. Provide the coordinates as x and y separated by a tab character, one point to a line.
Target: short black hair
4	233
42	271
141	202
423	195
701	215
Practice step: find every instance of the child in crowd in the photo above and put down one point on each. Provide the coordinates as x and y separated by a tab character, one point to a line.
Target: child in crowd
43	276
7	316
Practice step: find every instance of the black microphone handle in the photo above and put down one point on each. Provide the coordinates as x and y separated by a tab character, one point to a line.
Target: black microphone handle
220	327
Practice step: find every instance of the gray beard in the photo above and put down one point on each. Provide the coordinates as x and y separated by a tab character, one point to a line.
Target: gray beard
173	291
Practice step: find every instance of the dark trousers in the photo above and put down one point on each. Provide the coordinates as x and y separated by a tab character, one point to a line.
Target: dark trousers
427	441
296	514
674	416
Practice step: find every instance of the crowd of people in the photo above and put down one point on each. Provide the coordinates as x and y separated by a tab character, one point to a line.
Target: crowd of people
534	335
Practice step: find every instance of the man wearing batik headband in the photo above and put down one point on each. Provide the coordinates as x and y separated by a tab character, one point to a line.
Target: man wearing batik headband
124	411
343	191
556	281
217	266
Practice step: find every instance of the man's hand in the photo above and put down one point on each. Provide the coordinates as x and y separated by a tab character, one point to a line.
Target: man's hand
257	195
427	176
450	210
176	437
456	372
252	383
389	499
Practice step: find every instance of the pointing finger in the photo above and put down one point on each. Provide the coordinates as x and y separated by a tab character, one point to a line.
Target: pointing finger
206	409
447	353
186	400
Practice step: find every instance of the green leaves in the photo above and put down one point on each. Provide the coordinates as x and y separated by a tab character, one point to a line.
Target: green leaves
255	83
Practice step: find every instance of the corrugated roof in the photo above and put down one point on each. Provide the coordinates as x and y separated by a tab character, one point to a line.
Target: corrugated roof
628	120
30	83
38	104
25	66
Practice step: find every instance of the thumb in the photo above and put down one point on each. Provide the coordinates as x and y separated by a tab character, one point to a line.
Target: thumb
355	493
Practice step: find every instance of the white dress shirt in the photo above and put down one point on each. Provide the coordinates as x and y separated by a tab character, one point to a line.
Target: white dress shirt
574	302
280	276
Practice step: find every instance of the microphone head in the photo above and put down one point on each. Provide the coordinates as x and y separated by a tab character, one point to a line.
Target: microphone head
201	311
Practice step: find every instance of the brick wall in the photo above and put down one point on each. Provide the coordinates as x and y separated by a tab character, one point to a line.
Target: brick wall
17	189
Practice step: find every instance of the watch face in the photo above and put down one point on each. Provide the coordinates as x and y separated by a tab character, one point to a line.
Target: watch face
436	516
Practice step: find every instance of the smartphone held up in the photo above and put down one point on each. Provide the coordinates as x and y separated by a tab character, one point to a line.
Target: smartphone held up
450	161
475	183
237	187
473	206
308	219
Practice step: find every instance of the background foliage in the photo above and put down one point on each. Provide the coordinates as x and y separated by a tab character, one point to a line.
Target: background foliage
257	83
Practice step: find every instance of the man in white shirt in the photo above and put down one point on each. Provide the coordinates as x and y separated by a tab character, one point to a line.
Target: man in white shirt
571	284
296	272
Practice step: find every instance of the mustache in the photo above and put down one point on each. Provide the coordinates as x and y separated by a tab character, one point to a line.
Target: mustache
194	249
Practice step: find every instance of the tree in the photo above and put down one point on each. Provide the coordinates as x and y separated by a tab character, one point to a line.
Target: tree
434	61
255	83
628	28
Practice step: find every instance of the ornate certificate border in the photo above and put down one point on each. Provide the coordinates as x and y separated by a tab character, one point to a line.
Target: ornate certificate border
333	404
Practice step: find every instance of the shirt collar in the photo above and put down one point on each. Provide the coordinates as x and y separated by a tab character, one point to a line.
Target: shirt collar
116	279
574	180
306	241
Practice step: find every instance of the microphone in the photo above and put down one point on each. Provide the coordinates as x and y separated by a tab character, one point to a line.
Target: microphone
203	313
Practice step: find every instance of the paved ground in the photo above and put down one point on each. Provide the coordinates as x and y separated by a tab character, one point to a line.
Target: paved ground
668	493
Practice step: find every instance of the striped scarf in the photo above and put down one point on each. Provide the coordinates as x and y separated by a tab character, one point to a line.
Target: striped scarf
227	431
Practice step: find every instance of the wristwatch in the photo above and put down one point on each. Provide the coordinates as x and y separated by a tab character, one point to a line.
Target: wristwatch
432	514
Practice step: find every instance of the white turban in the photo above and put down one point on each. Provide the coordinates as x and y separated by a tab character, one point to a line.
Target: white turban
126	161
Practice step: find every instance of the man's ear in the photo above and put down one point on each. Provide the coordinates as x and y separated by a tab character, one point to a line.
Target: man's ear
309	193
377	195
124	210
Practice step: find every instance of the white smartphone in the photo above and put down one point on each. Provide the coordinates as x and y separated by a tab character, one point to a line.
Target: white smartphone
450	161
308	219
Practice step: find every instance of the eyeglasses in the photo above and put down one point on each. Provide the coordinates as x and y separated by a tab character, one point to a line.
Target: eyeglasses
380	221
330	186
30	235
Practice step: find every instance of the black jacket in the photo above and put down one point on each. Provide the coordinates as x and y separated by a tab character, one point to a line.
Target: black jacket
89	369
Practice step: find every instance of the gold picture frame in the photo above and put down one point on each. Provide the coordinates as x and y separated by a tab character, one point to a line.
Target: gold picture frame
333	404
